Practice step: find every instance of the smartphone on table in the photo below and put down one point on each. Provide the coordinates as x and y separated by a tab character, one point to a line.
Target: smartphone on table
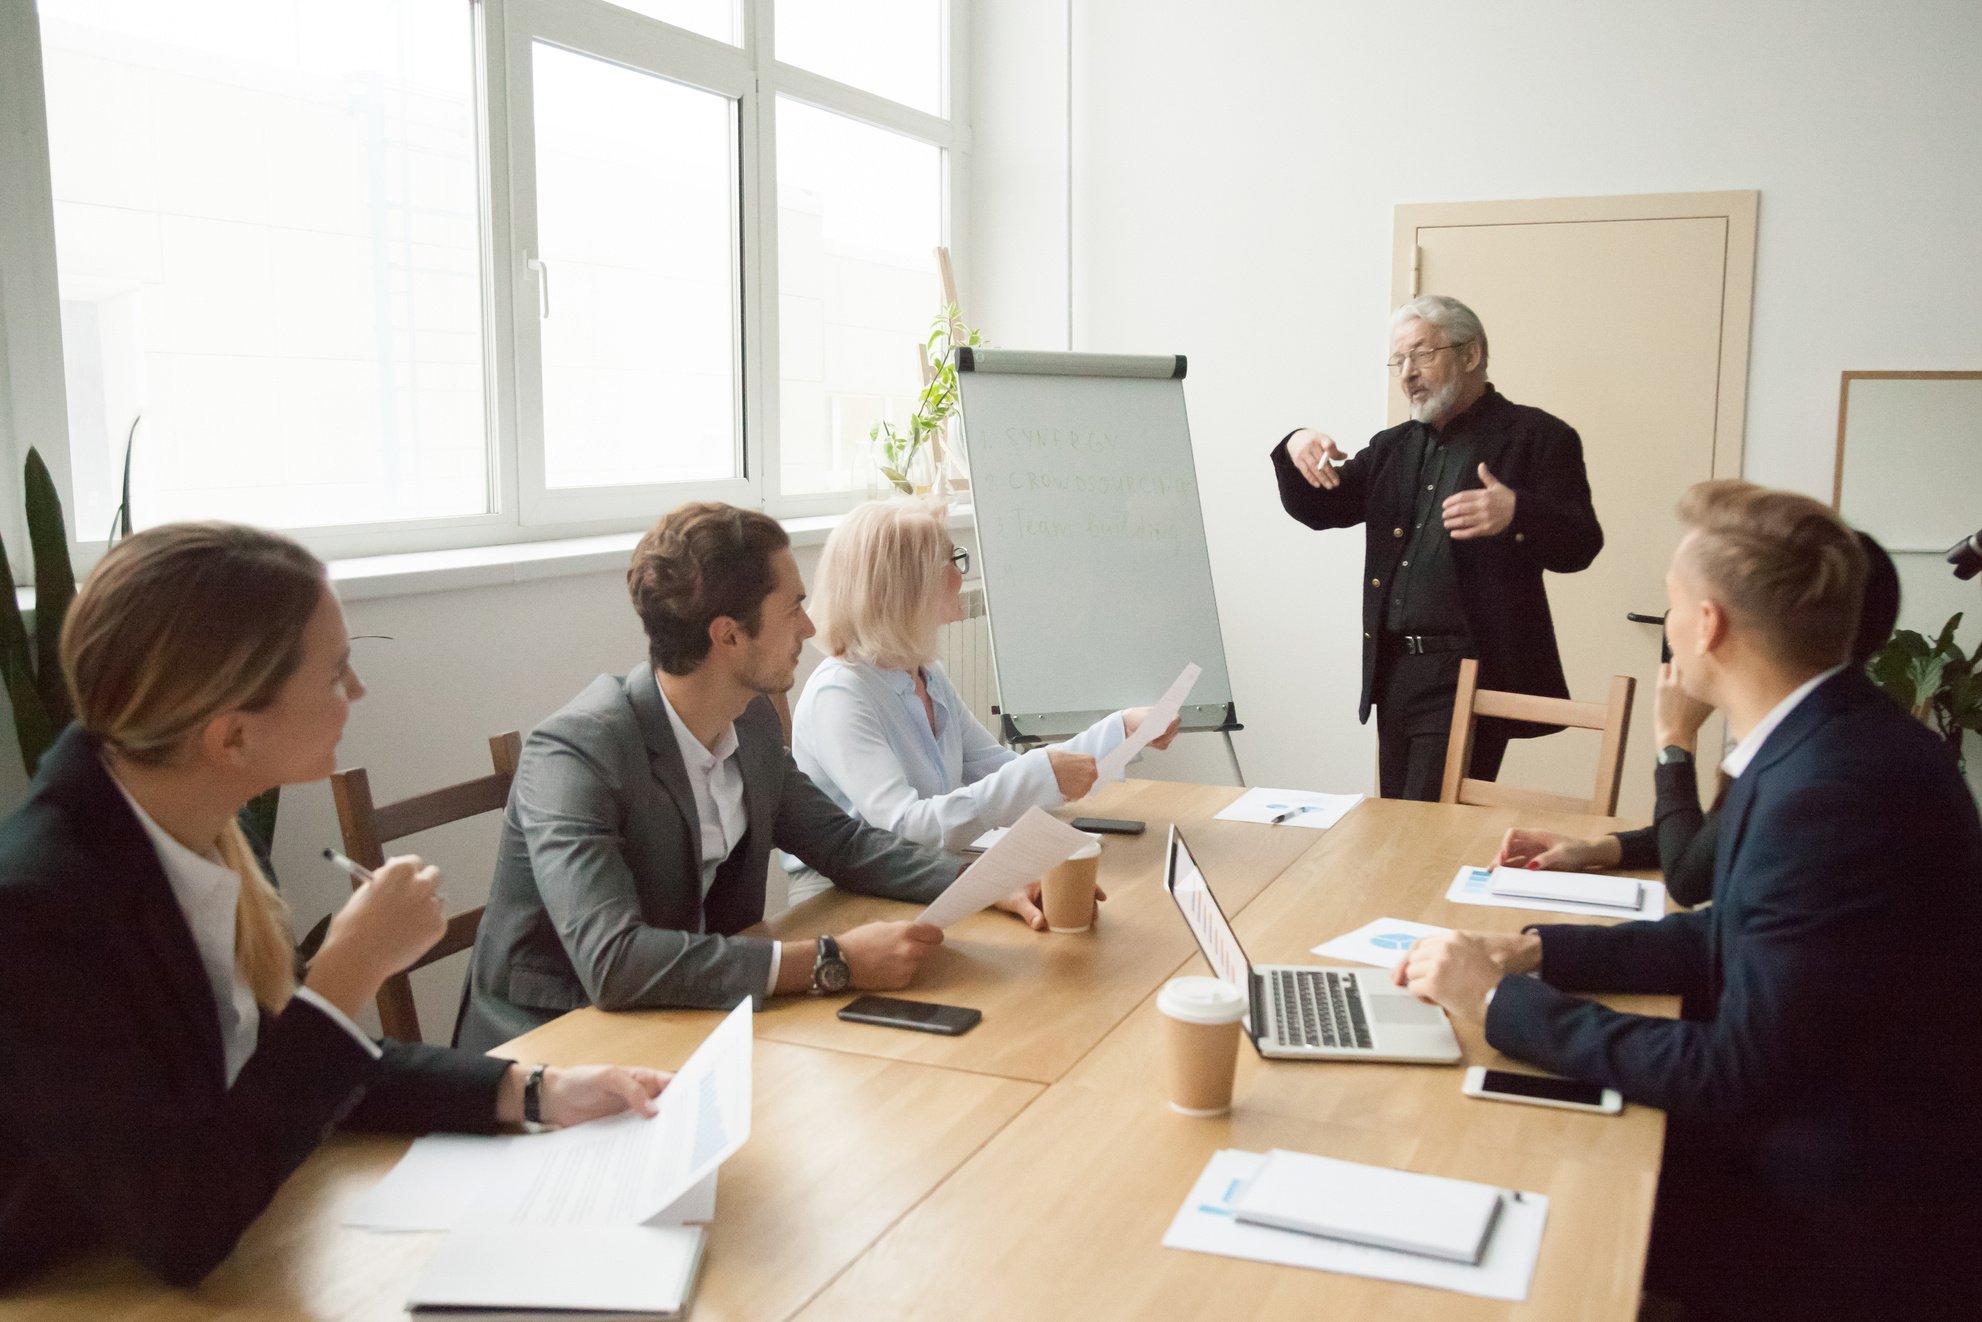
921	1016
1540	1090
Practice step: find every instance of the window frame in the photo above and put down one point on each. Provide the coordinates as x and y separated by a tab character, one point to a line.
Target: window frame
502	32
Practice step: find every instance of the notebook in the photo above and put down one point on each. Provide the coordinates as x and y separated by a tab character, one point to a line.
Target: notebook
1375	1205
1622	893
576	1273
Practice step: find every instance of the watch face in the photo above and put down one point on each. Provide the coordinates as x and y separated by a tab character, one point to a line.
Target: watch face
834	976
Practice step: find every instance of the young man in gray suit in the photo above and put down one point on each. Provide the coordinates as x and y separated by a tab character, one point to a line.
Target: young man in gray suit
643	813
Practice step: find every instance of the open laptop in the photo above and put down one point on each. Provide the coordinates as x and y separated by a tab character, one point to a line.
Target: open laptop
1308	1012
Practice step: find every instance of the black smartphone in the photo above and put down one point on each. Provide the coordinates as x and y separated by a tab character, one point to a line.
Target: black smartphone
1108	825
922	1016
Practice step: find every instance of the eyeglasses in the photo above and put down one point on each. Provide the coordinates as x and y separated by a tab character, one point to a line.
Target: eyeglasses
960	558
1421	357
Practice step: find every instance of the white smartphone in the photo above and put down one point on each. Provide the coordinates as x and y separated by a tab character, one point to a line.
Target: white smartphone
1540	1090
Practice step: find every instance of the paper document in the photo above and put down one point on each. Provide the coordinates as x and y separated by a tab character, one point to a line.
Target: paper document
637	1271
1383	943
1381	1206
622	1170
1317	812
1476	886
1622	893
1033	845
1205	1224
985	841
1116	763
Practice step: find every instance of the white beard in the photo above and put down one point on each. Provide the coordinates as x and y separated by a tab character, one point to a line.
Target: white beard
1437	404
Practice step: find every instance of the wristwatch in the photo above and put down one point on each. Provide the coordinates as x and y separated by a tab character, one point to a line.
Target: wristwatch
533	1096
1672	753
830	973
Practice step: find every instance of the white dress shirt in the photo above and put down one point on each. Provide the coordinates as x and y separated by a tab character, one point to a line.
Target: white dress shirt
716	780
208	891
862	735
1744	752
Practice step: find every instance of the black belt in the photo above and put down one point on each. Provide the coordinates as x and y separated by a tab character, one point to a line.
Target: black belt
1417	644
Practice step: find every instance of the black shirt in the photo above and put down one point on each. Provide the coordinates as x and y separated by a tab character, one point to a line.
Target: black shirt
1424	590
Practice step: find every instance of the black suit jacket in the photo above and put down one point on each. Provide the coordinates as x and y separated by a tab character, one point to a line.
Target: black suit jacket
118	1124
1500	578
1681	841
1834	1070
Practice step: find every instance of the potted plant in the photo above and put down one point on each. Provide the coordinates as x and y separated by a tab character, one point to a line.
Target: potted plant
1937	681
911	461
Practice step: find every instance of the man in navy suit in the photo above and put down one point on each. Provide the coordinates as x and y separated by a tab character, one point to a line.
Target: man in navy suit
1822	1152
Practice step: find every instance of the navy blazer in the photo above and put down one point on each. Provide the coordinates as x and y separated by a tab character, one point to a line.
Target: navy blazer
1500	578
119	1125
1837	1048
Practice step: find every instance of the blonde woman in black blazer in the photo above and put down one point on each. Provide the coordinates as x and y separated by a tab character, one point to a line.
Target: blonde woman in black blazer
162	1070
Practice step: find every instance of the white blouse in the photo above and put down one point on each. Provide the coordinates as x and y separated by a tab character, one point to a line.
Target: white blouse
208	891
861	734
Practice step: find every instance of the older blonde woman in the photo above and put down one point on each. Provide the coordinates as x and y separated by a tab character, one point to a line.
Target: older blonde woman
879	727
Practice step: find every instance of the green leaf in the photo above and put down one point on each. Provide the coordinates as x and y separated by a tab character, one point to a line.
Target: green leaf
54	586
31	725
17	667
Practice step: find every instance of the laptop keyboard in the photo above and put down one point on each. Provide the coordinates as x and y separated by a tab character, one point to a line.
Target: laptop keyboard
1319	1008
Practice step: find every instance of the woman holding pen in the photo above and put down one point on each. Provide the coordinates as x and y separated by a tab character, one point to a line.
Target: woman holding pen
163	1069
879	727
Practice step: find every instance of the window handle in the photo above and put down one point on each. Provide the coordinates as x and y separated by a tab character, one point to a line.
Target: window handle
543	274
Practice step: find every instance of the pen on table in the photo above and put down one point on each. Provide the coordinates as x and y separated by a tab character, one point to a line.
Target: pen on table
357	870
1291	812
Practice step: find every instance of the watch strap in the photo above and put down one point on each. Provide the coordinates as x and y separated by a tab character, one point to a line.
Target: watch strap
1673	753
533	1096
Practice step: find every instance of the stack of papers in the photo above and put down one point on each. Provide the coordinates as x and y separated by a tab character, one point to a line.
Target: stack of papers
1374	1205
583	1273
515	1204
1206	1224
1316	812
1559	892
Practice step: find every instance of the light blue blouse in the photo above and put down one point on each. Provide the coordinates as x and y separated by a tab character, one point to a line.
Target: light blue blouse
861	734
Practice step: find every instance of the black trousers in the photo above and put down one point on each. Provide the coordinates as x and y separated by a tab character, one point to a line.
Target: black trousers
1414	720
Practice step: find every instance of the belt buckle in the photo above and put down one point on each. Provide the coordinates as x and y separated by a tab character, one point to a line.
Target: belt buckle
1414	644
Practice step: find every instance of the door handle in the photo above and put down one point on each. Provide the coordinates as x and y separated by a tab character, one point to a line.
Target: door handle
1636	618
1665	645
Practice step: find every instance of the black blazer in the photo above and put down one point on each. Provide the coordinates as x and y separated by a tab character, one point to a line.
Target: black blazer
1831	1078
1500	578
1681	840
118	1124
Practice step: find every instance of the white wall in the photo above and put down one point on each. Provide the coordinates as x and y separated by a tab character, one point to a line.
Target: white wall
1235	170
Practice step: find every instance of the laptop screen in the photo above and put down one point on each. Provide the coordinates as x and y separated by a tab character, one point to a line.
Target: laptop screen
1202	915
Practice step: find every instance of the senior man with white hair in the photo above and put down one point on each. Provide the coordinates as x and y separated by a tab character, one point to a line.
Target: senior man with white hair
1464	507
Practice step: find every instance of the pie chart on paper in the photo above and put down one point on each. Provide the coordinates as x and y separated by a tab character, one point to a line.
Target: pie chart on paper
1393	940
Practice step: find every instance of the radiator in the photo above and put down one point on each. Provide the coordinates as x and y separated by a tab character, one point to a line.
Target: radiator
964	648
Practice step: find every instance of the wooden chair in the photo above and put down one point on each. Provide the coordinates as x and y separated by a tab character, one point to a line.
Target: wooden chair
1472	702
368	829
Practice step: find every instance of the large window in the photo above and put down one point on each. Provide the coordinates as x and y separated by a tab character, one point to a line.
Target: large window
409	273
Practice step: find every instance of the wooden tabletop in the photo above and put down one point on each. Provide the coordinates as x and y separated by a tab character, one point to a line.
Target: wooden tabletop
1029	1168
1048	997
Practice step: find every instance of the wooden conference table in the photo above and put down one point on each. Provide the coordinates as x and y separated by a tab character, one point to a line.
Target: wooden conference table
1030	1167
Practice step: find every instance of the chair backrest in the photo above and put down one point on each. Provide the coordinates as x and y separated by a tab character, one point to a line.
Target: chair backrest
368	828
1472	702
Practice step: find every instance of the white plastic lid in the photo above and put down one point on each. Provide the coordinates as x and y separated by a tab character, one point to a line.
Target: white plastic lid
1202	1001
1092	849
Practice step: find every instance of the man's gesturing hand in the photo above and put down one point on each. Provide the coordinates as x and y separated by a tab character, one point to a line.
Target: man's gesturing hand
1315	455
1483	513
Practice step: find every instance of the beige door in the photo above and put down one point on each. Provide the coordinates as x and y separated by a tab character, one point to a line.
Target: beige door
1626	317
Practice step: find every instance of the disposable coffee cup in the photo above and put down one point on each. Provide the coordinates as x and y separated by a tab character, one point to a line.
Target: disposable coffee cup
1201	1019
1066	892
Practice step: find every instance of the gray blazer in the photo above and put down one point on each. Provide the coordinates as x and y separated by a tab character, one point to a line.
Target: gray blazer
598	885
